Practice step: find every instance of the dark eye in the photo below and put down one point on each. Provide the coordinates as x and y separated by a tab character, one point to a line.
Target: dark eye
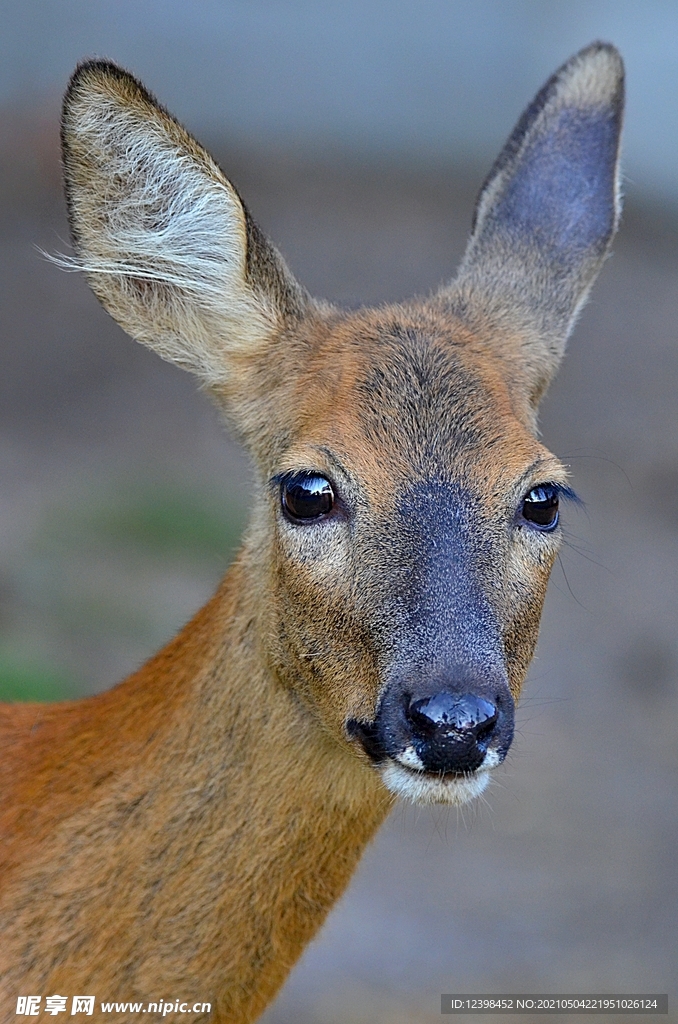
306	496
540	507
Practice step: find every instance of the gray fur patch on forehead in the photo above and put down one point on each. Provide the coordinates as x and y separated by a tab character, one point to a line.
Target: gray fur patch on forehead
421	397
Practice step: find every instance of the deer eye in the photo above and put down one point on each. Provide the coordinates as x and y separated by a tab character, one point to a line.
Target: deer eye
306	496
540	507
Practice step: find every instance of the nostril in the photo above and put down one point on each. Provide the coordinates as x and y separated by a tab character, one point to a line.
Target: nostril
446	714
483	730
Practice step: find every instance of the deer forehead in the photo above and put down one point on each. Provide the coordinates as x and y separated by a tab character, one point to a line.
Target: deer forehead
398	396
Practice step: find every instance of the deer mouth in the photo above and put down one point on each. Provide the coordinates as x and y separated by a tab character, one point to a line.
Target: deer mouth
422	787
404	773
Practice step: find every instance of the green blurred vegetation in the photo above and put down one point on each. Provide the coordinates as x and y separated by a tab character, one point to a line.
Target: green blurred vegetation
156	520
106	579
30	679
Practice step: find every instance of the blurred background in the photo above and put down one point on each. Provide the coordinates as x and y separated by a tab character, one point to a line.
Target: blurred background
359	133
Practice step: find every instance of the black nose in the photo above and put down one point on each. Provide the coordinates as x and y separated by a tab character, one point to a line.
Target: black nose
452	731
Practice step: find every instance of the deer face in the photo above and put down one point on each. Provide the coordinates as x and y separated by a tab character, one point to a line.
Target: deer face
415	522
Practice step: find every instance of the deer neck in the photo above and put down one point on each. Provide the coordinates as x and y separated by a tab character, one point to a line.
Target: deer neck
225	819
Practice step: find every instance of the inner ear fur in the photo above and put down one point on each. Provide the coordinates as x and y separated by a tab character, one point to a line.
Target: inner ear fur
167	244
545	217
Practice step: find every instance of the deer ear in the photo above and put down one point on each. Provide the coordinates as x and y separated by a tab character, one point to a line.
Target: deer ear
166	242
547	213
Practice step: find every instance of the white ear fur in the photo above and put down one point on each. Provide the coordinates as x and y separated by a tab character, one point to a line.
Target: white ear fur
160	232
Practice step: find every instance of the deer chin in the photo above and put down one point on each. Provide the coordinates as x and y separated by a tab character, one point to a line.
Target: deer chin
409	781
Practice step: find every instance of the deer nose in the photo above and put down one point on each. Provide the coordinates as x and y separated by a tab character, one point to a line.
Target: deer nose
452	731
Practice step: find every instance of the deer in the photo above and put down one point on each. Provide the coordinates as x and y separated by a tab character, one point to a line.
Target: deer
188	831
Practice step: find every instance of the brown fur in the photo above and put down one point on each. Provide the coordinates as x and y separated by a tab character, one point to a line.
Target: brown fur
186	833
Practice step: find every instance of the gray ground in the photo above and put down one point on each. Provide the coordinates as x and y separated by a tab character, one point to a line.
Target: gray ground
120	499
